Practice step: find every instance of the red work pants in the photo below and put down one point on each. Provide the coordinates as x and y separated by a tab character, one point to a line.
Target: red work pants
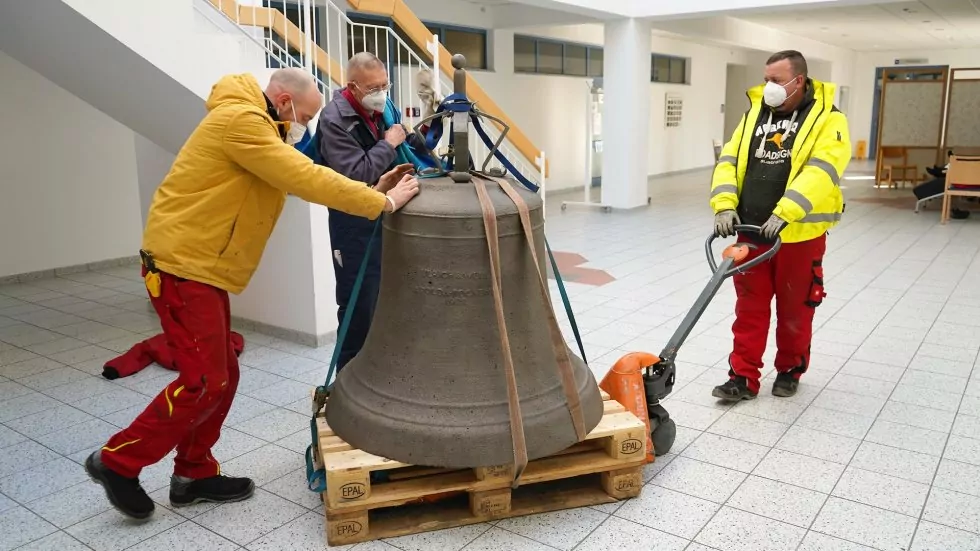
794	275
188	413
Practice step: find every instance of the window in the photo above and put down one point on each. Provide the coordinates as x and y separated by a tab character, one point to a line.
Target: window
524	55
668	69
550	57
554	57
595	62
575	60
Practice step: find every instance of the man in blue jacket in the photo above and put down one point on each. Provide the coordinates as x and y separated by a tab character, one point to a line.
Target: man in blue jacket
355	141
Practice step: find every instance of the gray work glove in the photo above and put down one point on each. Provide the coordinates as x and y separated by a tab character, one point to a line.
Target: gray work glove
725	223
772	227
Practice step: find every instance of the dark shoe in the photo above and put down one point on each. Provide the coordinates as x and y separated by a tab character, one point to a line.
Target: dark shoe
125	494
936	171
216	489
734	390
785	385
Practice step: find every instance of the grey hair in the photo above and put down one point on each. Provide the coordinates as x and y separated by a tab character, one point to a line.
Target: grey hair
293	79
363	60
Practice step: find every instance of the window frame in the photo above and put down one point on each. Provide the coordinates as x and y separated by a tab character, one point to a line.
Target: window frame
670	59
537	40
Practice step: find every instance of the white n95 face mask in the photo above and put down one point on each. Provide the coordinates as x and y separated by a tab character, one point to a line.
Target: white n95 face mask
375	101
295	133
296	130
774	94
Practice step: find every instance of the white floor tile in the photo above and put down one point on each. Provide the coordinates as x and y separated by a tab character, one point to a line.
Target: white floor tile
58	540
248	520
953	509
111	531
765	534
887	460
616	533
72	505
750	429
20	526
907	437
882	491
815	541
496	539
778	501
698	479
669	511
726	452
866	525
818	444
960	477
936	537
821	476
562	529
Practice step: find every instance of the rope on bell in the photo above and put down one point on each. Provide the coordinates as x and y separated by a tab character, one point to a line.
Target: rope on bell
513	400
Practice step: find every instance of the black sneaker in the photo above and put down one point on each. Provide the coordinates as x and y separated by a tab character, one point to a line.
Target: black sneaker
125	494
785	385
216	489
734	390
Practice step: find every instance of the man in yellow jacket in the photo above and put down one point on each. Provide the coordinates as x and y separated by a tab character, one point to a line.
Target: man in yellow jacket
781	170
206	230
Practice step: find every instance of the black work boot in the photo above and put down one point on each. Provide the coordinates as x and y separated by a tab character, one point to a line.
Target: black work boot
216	489
125	494
785	385
734	390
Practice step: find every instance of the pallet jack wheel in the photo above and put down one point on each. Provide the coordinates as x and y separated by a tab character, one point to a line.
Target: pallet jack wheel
663	435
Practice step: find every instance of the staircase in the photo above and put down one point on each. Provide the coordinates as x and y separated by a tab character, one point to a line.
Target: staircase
318	36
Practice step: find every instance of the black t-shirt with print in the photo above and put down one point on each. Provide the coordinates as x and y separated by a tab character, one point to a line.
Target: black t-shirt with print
768	170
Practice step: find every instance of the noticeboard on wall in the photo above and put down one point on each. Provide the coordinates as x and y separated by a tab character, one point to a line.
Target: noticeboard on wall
674	111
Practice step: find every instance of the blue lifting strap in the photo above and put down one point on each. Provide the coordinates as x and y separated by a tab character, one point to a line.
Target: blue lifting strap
316	479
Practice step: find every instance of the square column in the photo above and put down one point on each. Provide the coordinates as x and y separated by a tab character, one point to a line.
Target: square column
626	113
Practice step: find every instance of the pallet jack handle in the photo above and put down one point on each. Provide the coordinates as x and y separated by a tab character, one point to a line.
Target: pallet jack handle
731	264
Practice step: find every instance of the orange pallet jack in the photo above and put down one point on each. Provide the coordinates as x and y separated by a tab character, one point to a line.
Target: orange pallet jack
640	380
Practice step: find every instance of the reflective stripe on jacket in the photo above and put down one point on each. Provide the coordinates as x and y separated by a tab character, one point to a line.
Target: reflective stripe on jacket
813	202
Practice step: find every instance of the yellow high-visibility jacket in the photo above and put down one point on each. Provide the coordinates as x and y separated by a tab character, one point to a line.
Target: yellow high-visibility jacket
813	202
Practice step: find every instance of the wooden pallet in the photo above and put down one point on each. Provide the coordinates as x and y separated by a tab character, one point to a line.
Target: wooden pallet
606	467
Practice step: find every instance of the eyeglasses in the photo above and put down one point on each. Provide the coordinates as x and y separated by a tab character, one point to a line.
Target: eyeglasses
383	88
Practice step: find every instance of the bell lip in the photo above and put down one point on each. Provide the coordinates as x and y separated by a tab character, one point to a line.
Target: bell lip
415	444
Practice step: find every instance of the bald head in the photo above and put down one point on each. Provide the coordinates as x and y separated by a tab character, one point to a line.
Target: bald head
294	94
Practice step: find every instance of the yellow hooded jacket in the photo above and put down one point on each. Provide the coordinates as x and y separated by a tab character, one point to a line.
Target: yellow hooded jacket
212	215
813	202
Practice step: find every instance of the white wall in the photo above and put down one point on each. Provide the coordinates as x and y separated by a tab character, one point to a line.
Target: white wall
69	178
862	91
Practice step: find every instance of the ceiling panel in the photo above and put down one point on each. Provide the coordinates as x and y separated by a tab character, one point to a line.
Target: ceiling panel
925	24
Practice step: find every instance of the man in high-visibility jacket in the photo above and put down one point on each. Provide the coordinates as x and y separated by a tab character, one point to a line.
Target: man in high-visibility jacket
781	170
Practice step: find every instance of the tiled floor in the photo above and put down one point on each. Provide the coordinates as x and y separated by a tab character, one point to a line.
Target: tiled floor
879	450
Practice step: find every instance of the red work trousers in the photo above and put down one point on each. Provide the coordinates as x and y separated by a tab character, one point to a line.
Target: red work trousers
189	412
794	275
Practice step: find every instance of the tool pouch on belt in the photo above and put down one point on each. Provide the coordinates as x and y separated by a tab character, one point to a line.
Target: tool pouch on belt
151	276
816	294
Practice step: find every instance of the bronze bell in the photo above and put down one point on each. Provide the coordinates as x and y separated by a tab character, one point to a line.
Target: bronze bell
433	384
